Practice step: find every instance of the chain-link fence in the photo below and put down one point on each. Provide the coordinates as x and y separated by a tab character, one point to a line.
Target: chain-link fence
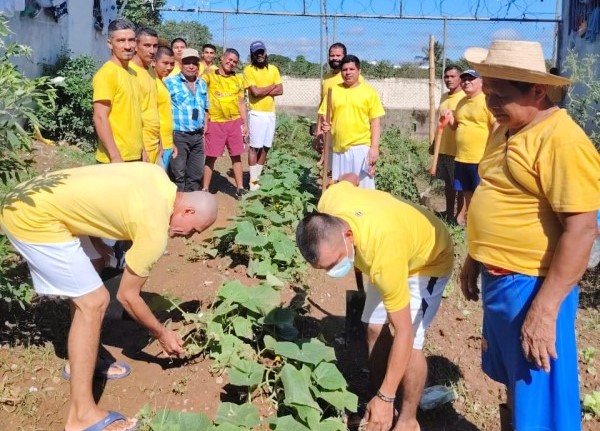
393	52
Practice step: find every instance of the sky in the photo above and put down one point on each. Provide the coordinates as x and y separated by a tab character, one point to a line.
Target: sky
370	39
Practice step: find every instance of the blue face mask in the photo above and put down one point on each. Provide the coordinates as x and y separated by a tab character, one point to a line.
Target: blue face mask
343	267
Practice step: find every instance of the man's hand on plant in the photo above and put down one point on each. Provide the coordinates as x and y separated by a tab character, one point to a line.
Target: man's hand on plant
379	415
171	343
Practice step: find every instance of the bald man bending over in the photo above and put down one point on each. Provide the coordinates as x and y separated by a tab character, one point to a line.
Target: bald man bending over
50	220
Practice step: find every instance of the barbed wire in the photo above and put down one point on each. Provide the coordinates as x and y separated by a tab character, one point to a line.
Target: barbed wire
493	9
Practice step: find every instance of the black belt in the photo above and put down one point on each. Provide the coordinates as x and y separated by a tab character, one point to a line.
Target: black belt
193	132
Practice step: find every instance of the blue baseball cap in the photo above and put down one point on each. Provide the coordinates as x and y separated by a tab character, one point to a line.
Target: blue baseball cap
470	72
256	46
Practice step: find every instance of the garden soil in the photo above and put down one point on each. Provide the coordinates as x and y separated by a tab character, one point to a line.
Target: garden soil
33	396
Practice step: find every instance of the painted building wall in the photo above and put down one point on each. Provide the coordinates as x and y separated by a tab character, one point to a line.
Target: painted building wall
74	33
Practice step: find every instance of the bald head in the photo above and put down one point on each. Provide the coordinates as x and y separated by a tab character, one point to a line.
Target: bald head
192	212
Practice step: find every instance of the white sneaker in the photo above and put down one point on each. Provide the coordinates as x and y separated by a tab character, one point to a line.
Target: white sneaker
254	187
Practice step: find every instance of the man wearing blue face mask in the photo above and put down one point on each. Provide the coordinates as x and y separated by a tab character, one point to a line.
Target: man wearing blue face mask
408	254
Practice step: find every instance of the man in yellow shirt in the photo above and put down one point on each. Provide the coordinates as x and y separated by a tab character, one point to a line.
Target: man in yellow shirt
177	45
530	230
263	82
116	111
355	114
227	119
163	65
408	254
52	227
207	57
445	166
145	52
473	123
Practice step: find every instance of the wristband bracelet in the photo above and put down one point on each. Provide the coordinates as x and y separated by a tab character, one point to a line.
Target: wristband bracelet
384	398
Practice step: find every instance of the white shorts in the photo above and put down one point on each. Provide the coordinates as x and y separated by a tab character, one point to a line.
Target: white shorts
261	126
425	298
353	161
62	269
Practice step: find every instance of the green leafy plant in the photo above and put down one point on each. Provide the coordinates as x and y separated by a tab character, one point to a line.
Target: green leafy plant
584	95
21	100
71	121
402	159
263	234
591	405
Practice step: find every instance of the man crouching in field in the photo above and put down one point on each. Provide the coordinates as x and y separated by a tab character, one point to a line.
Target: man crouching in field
408	254
50	220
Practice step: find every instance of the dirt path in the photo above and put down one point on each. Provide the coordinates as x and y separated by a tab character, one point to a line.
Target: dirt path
34	397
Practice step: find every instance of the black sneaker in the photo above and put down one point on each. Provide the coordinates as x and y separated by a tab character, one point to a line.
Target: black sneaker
239	193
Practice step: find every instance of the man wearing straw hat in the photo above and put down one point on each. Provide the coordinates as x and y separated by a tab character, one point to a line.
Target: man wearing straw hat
530	230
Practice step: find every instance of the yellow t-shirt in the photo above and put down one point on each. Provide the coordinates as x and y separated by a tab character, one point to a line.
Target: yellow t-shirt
261	78
475	123
352	109
202	68
81	201
393	239
448	141
118	86
332	79
224	93
176	70
165	114
146	78
551	167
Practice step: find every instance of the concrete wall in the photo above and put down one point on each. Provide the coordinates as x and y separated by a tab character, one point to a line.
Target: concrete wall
47	38
395	93
406	101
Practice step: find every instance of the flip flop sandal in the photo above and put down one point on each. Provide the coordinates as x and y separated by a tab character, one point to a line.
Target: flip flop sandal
102	369
109	419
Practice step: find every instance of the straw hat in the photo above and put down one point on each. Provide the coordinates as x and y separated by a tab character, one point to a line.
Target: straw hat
514	60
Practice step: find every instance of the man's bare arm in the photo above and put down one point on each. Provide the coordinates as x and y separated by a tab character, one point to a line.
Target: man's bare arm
261	91
277	90
102	109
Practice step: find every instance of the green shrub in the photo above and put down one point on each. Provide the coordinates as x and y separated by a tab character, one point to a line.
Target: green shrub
72	121
21	99
401	160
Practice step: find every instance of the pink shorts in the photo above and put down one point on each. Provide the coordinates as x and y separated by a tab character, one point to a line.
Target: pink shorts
219	135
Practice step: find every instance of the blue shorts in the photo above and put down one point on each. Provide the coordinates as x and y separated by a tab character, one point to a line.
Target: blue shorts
541	401
466	177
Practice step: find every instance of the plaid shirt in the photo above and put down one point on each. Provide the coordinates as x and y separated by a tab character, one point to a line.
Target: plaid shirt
183	103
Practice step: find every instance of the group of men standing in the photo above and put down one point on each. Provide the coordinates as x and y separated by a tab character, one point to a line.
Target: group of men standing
174	107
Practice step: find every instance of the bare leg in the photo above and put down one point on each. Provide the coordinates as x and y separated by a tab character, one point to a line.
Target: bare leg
236	164
262	156
252	156
379	341
459	201
450	198
461	217
209	167
412	386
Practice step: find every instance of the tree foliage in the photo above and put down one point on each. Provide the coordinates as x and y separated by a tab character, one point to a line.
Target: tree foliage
194	33
143	13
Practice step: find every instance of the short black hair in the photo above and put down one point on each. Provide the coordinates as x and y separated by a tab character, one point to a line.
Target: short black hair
162	51
350	59
119	24
178	39
312	230
209	45
145	31
453	67
232	51
338	45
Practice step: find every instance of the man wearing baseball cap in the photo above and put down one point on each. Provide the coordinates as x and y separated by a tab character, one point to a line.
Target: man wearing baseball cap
530	230
473	123
189	103
263	82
